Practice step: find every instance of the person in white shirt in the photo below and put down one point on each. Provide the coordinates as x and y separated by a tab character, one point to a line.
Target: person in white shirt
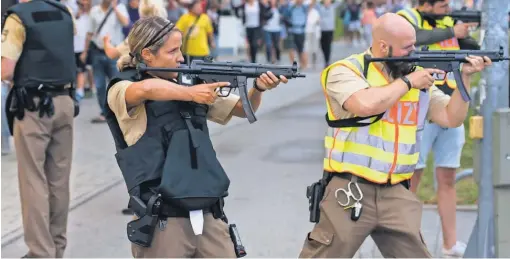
103	67
312	34
272	33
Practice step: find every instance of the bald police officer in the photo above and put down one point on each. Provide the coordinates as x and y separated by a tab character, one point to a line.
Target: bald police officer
38	57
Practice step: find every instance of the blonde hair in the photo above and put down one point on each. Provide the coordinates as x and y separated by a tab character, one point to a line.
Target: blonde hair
149	8
144	31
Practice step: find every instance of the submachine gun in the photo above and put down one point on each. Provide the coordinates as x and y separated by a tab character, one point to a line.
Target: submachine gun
236	73
446	60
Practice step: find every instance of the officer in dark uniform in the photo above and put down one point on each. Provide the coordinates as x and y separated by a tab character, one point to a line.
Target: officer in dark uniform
38	57
164	151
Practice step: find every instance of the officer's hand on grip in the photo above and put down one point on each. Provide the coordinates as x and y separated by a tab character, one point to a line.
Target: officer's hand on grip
205	93
423	79
268	81
476	64
461	30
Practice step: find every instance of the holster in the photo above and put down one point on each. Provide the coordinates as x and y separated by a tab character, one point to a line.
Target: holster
315	193
16	102
141	230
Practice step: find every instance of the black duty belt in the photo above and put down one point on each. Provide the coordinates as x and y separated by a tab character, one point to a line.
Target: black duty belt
49	91
173	212
348	176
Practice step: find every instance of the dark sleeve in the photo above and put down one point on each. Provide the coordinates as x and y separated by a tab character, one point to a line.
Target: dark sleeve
427	37
469	43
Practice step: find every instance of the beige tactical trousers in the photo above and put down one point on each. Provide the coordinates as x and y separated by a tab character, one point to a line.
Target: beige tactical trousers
391	216
177	240
44	150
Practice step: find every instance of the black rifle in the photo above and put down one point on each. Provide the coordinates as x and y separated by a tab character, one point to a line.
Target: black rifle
446	60
235	73
462	15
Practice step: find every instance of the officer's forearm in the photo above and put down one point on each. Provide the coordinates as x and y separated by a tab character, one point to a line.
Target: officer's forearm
375	100
255	98
457	108
426	37
156	90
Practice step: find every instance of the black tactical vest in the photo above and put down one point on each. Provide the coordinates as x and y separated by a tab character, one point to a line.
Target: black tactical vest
48	51
174	157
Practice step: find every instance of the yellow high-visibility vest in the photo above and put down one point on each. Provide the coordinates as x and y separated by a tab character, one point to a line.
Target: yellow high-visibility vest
414	17
386	150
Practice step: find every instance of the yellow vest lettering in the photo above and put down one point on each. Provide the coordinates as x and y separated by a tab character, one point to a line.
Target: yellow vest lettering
387	149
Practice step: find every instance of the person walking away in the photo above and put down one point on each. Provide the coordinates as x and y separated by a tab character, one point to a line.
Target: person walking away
295	19
327	26
254	15
365	182
40	111
272	34
198	32
353	22
82	27
312	30
445	143
367	19
139	109
107	18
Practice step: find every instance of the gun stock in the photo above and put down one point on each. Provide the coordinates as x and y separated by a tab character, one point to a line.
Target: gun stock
235	73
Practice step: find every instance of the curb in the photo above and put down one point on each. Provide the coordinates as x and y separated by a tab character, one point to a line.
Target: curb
468	208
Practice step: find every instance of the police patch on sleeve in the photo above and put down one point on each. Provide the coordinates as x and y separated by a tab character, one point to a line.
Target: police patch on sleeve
5	32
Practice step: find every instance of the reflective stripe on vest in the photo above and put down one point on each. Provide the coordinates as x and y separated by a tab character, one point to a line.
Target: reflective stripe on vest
385	150
411	15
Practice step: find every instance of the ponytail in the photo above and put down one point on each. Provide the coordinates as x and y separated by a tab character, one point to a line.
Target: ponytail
126	61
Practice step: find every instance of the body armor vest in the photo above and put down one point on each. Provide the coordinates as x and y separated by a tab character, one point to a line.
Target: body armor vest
48	51
174	157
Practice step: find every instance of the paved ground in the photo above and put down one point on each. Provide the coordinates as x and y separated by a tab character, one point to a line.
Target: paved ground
270	163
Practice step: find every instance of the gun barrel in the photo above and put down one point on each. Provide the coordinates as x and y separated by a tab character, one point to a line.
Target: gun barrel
213	69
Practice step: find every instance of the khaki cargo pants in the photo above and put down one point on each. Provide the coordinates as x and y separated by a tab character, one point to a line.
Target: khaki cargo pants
177	240
44	150
391	216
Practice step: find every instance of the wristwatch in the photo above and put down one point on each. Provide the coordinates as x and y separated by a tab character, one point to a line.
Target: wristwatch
408	83
257	87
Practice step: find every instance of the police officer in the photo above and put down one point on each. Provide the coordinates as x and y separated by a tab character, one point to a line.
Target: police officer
371	156
164	151
38	57
445	143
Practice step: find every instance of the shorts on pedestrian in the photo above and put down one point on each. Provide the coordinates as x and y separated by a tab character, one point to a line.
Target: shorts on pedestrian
299	42
81	67
354	26
445	143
